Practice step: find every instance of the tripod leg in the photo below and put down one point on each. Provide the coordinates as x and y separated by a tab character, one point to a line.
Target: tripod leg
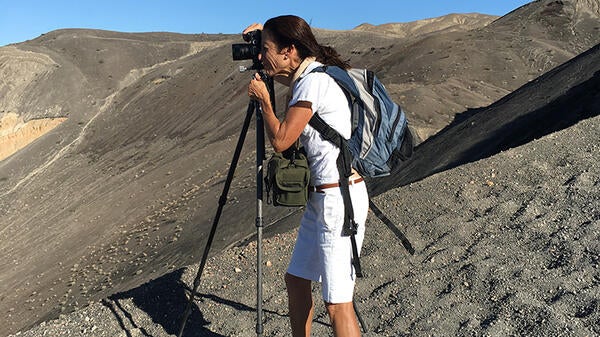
260	154
222	202
260	157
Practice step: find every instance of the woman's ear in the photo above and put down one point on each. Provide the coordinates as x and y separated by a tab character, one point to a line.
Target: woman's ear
288	50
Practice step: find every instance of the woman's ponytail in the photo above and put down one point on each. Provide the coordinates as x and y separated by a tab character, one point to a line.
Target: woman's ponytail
329	56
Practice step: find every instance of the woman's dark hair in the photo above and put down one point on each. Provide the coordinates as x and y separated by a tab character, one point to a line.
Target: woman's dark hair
289	30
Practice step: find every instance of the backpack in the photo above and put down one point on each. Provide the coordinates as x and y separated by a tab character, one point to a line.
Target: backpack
379	141
380	137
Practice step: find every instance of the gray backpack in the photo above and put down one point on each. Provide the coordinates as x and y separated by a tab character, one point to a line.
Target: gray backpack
380	136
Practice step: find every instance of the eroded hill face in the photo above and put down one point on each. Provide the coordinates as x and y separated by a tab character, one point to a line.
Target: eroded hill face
19	72
124	189
16	134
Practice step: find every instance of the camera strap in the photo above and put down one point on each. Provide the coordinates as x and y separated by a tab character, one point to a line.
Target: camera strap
301	68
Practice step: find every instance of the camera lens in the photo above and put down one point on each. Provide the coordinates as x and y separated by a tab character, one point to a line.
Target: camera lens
244	51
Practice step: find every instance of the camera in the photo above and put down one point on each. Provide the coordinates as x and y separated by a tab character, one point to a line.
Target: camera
250	50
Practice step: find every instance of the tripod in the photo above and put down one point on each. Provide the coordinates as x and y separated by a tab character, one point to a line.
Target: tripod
253	107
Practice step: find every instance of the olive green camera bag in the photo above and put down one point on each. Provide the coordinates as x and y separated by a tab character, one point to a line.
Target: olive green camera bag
287	179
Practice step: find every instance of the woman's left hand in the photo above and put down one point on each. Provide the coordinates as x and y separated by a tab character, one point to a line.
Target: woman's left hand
252	27
257	89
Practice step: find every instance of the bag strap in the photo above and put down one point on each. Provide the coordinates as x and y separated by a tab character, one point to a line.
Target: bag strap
344	165
344	160
292	153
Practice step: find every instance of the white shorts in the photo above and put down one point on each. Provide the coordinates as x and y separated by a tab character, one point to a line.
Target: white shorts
321	253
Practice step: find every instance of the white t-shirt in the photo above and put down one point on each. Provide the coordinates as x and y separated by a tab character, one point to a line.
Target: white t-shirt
329	101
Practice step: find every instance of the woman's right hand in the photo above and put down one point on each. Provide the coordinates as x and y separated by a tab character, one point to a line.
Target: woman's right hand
257	89
254	26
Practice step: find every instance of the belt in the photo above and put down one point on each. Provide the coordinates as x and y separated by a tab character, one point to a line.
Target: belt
320	188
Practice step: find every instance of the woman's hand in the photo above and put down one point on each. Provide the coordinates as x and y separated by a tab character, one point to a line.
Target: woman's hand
257	89
254	26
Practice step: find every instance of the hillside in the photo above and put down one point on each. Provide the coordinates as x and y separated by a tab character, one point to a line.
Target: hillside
505	246
443	24
140	128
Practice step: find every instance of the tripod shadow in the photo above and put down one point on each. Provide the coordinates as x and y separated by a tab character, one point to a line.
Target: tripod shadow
164	300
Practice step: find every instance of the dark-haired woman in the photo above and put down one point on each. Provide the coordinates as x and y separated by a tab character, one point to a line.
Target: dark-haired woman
321	254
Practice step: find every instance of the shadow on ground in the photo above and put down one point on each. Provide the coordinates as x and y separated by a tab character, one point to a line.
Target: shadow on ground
164	300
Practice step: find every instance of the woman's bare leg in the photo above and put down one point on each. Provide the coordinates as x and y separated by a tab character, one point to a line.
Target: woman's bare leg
343	319
300	305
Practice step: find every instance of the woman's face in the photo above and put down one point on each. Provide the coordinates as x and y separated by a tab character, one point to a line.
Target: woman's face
274	59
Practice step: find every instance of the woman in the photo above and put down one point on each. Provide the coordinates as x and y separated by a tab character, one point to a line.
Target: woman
289	53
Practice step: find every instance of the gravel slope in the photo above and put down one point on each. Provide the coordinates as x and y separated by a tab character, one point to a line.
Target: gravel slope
507	245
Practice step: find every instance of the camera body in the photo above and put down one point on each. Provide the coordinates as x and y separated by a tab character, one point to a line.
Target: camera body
250	50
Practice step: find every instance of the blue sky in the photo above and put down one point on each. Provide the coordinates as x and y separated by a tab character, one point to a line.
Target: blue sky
23	20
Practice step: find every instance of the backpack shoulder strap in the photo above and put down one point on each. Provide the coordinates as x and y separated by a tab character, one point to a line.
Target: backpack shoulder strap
343	79
327	132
